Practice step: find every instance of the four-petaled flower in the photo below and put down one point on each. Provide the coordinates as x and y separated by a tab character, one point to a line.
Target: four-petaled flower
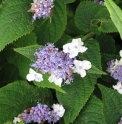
34	76
81	67
74	47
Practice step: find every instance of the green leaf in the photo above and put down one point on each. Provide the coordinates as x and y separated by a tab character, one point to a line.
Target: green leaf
97	18
104	22
63	40
86	12
28	51
95	70
112	104
46	84
19	60
51	30
8	73
93	53
106	43
19	96
66	1
29	39
15	21
10	122
72	29
92	113
76	96
115	14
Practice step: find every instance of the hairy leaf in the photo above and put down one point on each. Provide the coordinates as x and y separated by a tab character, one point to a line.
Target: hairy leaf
112	104
28	51
95	70
18	96
66	1
46	84
85	12
51	30
76	96
93	53
19	60
92	113
115	14
106	43
15	21
97	18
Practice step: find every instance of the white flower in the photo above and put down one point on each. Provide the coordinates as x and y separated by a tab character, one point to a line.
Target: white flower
57	81
16	119
58	109
34	76
118	87
74	47
81	67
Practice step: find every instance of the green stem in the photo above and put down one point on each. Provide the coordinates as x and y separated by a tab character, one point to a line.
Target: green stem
88	36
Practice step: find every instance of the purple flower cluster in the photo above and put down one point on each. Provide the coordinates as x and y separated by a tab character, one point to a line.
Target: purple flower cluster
50	60
36	114
41	8
40	114
115	68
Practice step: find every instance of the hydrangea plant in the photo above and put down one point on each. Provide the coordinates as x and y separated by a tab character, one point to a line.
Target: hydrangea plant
60	62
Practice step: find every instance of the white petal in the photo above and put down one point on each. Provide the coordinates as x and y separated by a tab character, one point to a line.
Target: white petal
118	86
38	77
67	48
31	71
75	42
82	49
119	62
82	73
120	91
80	42
58	82
86	64
58	109
77	63
30	77
16	119
120	53
73	53
52	78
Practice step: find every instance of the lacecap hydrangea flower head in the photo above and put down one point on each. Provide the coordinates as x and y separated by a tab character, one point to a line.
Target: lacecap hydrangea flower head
60	64
41	8
41	113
